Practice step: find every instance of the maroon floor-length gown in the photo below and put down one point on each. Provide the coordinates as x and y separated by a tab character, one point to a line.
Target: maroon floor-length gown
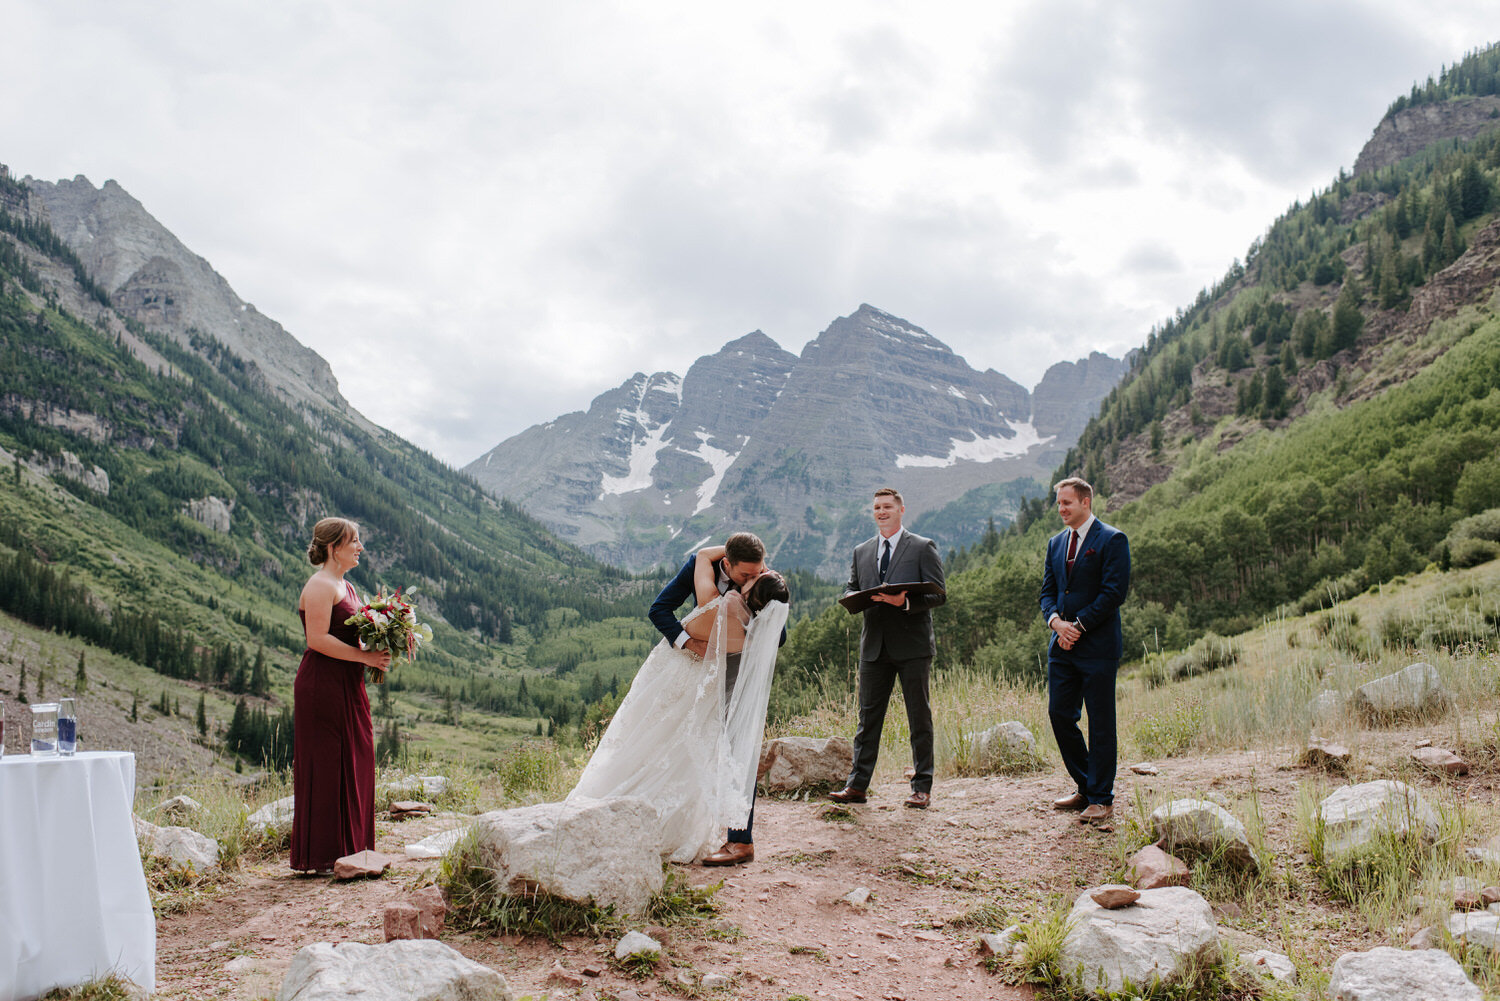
333	752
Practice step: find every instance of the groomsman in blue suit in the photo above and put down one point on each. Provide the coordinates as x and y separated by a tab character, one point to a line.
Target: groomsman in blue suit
1083	584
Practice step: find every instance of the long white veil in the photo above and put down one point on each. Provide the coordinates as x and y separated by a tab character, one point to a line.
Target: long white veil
745	709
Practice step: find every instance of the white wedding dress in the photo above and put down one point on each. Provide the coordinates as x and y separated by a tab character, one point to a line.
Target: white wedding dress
676	744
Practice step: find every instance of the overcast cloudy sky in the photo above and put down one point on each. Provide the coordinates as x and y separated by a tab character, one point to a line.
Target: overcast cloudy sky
485	213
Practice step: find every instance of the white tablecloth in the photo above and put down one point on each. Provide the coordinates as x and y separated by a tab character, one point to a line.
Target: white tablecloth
73	899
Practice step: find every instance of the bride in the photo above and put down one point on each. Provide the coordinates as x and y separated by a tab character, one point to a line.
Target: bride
687	736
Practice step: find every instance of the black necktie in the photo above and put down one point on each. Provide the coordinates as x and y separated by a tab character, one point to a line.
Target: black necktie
1072	549
885	558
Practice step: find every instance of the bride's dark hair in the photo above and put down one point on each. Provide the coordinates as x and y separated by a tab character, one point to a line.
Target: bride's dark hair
768	587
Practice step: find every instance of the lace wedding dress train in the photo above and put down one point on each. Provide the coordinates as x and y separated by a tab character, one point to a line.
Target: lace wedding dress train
685	745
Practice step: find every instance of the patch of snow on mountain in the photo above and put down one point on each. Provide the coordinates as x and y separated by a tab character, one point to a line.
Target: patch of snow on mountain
720	461
979	449
642	460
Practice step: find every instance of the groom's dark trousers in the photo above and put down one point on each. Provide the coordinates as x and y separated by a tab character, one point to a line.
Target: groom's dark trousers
663	616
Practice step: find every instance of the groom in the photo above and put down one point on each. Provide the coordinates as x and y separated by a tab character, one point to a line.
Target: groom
744	560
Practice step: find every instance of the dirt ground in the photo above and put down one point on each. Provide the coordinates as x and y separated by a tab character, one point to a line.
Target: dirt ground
783	929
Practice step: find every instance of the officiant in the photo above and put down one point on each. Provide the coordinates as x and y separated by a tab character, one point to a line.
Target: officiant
895	643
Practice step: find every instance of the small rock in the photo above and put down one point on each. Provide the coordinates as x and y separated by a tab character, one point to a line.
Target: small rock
365	863
180	808
999	944
400	921
404	809
637	944
685	979
857	897
1491	894
714	981
1228	910
1326	754
240	964
562	975
1114	896
1145	768
593	970
1271	964
1487	852
1425	938
1468	900
1151	869
1425	742
1440	760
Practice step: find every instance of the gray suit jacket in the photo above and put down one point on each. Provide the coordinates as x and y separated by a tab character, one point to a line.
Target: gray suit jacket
900	634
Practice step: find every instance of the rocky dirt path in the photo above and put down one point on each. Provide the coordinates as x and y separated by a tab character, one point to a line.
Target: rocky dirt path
987	843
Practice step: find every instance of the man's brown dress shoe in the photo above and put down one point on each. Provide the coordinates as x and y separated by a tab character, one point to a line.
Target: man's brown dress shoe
919	800
848	794
1097	813
733	853
1077	801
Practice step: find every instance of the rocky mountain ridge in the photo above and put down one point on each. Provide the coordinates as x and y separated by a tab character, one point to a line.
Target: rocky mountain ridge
789	446
1412	130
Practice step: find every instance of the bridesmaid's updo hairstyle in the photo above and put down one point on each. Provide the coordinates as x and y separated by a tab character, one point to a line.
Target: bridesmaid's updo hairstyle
768	587
329	534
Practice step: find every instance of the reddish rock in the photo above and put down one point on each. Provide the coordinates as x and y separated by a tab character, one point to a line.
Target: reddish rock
1151	869
431	910
402	809
1491	894
1468	900
1440	760
401	922
365	863
1114	896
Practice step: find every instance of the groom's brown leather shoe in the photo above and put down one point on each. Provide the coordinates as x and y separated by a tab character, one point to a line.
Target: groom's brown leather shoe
848	794
733	853
1077	801
919	800
1097	813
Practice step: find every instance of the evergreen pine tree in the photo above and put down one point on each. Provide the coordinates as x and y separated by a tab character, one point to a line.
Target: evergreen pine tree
260	678
202	716
135	707
81	678
21	684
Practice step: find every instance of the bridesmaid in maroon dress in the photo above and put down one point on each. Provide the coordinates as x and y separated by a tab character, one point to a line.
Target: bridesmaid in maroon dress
333	751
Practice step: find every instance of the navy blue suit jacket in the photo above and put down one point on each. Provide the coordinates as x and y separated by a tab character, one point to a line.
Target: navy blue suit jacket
1091	595
663	612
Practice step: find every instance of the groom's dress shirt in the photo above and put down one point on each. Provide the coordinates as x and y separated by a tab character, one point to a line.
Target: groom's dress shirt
1083	533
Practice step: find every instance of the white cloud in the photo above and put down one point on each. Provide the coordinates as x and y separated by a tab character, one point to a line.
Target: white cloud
526	204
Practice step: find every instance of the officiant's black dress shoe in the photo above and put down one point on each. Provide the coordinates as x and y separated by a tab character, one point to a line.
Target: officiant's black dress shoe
848	794
733	853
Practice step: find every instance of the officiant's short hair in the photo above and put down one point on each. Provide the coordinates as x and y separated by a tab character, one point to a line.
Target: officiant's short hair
744	547
893	493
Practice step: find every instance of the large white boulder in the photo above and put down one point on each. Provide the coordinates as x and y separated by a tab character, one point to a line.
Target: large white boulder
1386	974
426	786
404	970
1480	931
1410	691
273	816
788	763
602	850
1162	936
1354	816
1002	744
182	846
1204	829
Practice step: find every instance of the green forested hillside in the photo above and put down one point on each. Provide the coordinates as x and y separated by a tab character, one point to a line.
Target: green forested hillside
127	565
1323	419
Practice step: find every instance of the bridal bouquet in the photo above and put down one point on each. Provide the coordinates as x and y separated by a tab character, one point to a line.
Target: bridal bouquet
389	622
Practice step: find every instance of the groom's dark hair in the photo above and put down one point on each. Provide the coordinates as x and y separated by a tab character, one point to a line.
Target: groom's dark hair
744	547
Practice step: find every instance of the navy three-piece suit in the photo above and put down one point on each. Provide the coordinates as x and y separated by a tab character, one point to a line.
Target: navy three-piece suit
1090	595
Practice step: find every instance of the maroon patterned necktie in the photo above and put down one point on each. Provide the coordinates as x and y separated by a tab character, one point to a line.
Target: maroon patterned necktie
1072	549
